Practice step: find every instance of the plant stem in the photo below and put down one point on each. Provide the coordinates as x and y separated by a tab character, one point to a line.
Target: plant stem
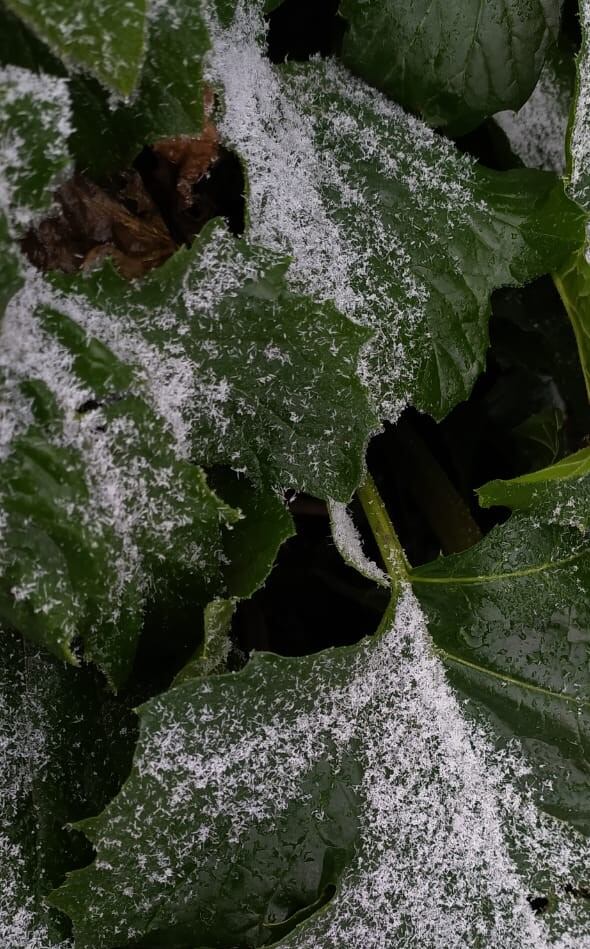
383	530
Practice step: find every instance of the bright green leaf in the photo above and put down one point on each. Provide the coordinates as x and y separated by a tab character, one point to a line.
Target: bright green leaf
573	283
103	37
453	61
559	494
384	217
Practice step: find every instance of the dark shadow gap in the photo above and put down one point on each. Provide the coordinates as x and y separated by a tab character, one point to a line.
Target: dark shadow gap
299	29
312	599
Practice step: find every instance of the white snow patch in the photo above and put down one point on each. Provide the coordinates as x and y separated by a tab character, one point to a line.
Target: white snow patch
349	544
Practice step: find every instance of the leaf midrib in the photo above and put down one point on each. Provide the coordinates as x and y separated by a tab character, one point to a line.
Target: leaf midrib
494	577
510	680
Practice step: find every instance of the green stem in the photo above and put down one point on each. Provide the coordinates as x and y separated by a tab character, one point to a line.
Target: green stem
383	530
574	296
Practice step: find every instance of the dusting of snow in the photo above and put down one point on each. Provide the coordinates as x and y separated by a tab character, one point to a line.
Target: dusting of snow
22	758
356	191
450	846
537	131
35	126
580	130
349	545
133	501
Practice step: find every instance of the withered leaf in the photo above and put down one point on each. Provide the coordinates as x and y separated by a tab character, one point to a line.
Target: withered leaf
92	224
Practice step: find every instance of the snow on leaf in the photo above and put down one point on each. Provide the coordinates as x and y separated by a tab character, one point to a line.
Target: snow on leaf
254	795
349	545
537	132
453	62
579	135
245	371
510	617
359	193
98	511
35	124
103	37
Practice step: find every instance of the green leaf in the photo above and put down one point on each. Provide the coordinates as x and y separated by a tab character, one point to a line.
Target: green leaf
65	745
98	511
211	657
246	371
251	545
348	778
106	135
34	127
573	283
558	494
536	133
100	38
453	62
359	193
510	619
250	549
10	276
169	101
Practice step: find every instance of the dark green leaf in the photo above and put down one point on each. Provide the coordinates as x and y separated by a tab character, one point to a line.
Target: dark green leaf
255	796
558	494
97	510
103	38
251	545
65	746
361	195
454	62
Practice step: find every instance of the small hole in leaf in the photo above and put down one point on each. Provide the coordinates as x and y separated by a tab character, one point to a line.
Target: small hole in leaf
312	599
298	29
538	903
91	405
